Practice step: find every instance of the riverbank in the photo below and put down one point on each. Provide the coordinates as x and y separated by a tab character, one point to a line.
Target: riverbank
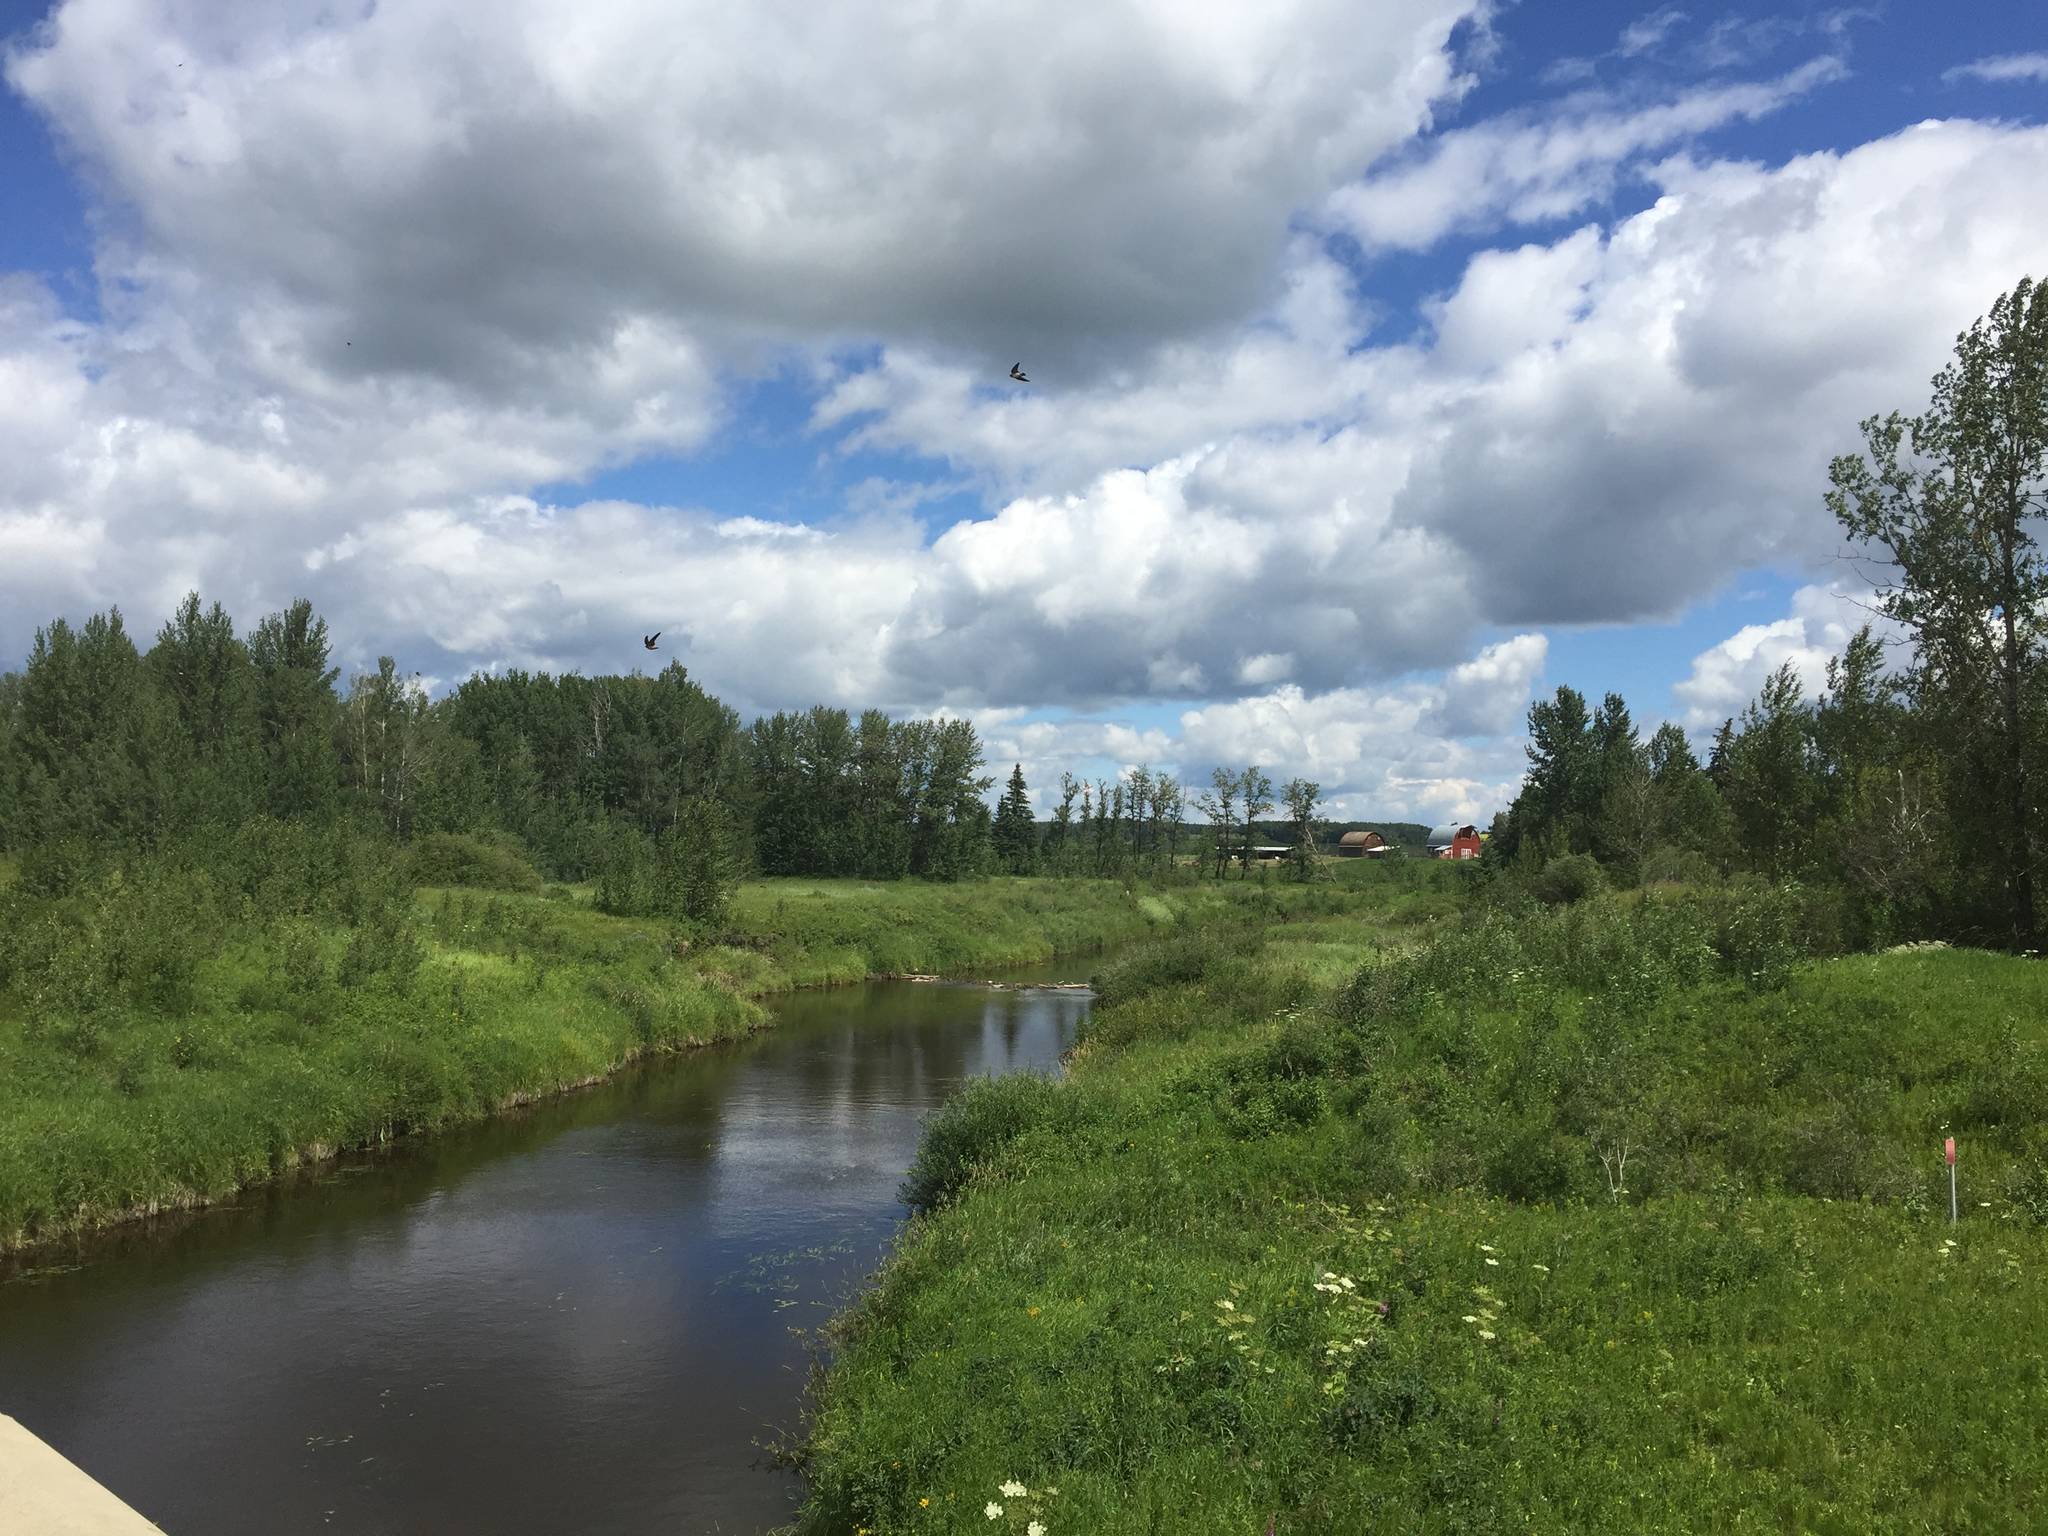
1622	1218
143	1072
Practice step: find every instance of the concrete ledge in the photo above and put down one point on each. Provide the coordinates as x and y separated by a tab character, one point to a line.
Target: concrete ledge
43	1493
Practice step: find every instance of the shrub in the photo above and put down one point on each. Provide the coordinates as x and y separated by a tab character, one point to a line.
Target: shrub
1569	879
454	858
970	1129
1187	956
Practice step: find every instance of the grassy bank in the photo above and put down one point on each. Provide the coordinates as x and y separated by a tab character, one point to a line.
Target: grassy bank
1359	1252
163	1043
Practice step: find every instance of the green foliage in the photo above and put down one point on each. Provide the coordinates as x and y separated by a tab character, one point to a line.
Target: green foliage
1955	517
696	869
1015	834
452	858
177	1025
988	1114
1568	878
1556	1222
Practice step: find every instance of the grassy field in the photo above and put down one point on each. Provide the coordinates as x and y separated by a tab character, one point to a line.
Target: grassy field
1344	1240
162	1045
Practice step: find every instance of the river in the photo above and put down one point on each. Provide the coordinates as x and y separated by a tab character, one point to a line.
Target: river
582	1317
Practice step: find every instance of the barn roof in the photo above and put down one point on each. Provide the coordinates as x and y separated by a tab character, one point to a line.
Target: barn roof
1359	839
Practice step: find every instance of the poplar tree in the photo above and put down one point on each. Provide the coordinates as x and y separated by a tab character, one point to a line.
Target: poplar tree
1255	797
1301	796
1949	501
1219	805
295	709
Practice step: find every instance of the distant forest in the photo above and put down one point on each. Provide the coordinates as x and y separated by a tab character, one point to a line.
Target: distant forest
106	746
649	786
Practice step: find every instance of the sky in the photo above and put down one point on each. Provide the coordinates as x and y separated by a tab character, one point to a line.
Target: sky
1391	362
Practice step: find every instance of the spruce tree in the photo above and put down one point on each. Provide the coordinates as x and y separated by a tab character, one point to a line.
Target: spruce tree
1016	832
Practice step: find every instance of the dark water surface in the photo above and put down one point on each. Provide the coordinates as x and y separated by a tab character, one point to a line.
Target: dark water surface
573	1319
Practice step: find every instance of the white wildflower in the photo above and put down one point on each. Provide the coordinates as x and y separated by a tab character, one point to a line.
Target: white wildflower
1013	1490
993	1511
1035	1528
1494	1262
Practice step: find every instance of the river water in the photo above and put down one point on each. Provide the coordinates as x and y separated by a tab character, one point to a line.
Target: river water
582	1317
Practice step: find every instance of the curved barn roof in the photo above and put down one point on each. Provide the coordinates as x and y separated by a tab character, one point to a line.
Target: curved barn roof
1359	839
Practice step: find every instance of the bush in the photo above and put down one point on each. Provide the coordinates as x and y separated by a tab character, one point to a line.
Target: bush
453	858
970	1129
1569	879
1188	956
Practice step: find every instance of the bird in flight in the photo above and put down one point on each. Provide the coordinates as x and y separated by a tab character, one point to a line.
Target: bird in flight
1017	373
648	640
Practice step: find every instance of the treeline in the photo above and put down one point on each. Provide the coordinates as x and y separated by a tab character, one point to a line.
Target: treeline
648	785
1913	782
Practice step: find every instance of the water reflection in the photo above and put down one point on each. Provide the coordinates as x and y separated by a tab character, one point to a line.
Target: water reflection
576	1318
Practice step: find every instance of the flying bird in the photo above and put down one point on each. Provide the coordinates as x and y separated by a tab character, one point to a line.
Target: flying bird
648	640
1017	373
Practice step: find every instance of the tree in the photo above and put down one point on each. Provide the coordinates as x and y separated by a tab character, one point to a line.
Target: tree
10	726
1169	802
80	717
1951	519
1255	798
1301	796
1016	830
695	871
295	711
1553	812
1060	843
1771	778
1669	755
1219	805
388	743
781	820
206	738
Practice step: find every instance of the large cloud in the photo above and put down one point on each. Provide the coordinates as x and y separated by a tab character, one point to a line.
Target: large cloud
1599	429
474	193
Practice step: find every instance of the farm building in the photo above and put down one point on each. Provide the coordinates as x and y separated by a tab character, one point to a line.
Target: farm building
1363	845
1271	853
1453	841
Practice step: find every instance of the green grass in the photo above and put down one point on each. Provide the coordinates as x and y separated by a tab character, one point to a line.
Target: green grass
160	1047
1121	1291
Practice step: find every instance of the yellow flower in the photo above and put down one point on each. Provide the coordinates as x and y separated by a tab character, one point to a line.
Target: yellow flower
1031	1311
924	1503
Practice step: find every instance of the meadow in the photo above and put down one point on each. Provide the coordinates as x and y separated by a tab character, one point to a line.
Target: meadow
1625	1216
170	1033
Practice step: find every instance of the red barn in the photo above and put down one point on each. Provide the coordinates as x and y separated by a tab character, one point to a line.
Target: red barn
1453	840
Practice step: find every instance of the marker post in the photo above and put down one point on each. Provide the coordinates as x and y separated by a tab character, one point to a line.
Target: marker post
1949	1151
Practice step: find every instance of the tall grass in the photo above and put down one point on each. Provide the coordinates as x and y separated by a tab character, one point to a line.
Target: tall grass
1362	1254
169	1034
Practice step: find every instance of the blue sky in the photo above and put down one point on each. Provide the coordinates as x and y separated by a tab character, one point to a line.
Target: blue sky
1393	363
